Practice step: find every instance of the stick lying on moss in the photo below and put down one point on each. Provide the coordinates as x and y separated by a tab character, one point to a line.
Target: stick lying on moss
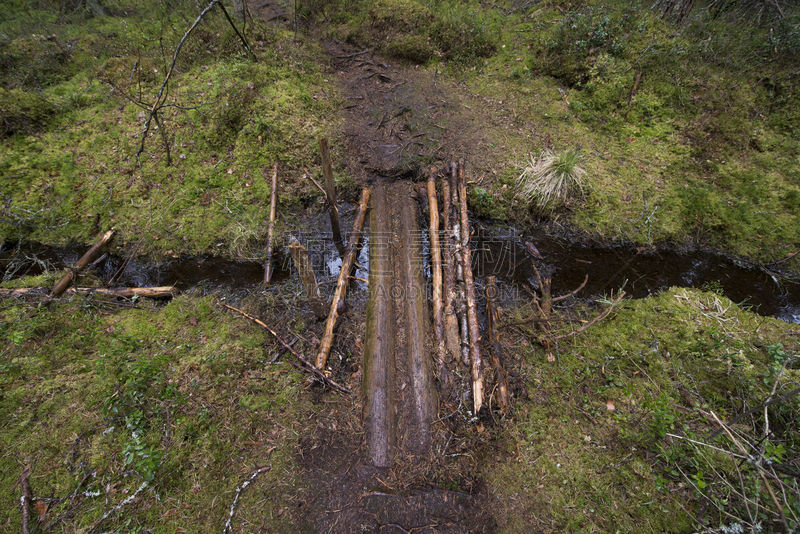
305	363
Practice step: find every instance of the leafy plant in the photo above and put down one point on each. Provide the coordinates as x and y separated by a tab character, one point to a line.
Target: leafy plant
551	178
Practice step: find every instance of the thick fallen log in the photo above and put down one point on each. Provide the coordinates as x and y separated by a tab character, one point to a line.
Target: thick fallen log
330	193
436	270
273	206
449	279
472	312
122	292
342	283
319	375
308	278
494	345
85	260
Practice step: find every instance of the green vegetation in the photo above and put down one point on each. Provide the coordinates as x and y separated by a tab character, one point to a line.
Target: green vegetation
590	450
69	164
180	397
550	179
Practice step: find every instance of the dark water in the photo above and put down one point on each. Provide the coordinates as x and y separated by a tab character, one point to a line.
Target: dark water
641	273
499	252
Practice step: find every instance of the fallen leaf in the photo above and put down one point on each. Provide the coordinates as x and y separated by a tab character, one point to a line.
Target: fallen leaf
610	406
193	321
550	357
41	507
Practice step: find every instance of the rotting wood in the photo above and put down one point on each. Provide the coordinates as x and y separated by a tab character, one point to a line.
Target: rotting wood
461	307
436	269
307	365
341	285
308	278
494	345
330	192
87	258
472	312
123	292
449	279
273	208
378	368
25	500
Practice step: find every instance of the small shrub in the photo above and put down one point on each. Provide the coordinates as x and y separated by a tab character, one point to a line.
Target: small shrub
463	33
551	178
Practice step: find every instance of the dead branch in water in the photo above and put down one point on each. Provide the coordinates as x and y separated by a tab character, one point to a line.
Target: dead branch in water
494	345
307	277
573	292
472	312
85	260
273	205
319	375
595	320
449	281
341	285
242	487
436	268
330	193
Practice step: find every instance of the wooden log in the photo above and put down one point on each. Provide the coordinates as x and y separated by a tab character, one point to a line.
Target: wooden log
461	301
319	375
330	192
273	206
341	284
308	278
436	269
123	292
449	279
87	258
472	312
494	345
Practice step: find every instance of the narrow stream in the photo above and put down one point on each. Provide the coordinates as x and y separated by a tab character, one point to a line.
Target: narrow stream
499	252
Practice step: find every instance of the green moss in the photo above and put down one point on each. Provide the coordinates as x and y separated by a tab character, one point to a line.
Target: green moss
22	112
178	396
574	465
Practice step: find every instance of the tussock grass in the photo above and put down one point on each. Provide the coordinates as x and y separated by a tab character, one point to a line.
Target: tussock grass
550	179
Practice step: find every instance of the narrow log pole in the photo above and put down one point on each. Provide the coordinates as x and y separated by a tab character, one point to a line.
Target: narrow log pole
469	286
85	260
436	269
341	284
330	192
124	292
494	346
273	205
307	277
461	299
449	282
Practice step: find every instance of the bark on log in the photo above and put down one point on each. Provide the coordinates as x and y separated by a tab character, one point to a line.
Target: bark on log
307	277
341	285
469	286
436	270
494	345
87	258
273	207
330	191
449	282
123	292
461	306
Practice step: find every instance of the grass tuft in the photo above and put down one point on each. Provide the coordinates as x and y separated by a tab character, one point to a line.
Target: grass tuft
550	179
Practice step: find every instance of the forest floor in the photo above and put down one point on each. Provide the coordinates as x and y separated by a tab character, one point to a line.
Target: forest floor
183	400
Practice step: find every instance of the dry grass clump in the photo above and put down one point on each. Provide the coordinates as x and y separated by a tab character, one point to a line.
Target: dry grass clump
551	178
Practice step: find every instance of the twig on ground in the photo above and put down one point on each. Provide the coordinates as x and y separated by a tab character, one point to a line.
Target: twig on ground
239	489
118	507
